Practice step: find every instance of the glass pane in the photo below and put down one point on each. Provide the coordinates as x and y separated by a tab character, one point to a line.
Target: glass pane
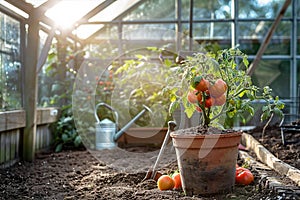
153	9
213	9
65	13
214	30
148	32
252	34
10	65
36	3
261	8
298	38
298	9
148	35
276	74
108	32
107	49
185	9
86	30
114	10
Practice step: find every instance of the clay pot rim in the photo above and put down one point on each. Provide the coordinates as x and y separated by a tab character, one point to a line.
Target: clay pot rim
224	135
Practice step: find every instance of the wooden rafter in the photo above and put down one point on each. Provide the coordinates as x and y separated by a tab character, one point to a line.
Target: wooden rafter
268	37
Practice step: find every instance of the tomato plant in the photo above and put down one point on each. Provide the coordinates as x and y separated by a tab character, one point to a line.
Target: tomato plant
243	176
221	75
165	182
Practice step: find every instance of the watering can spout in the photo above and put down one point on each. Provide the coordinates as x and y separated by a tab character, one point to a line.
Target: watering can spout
127	126
106	135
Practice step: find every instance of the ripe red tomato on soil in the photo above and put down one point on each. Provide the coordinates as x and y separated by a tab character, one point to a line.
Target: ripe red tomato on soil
165	182
177	179
243	176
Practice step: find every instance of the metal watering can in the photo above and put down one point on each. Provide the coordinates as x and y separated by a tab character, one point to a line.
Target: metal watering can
106	130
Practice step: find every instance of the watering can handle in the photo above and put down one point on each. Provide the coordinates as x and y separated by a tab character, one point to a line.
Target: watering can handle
110	108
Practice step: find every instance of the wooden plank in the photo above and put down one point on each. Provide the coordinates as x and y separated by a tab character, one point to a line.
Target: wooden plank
7	147
12	120
43	137
47	115
270	160
2	121
17	119
2	148
44	53
13	143
30	86
49	137
18	144
37	139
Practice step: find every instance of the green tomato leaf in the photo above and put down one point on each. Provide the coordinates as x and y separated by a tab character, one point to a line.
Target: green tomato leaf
168	62
278	112
189	110
58	148
64	137
265	108
265	115
231	114
77	141
196	81
173	106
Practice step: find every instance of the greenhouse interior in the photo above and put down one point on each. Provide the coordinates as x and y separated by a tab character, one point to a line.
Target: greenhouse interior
106	85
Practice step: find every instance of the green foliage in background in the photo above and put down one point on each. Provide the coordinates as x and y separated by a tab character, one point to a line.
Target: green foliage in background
59	74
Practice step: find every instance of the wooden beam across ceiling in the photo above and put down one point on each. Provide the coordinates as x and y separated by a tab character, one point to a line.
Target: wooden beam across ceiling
95	11
117	17
267	38
28	8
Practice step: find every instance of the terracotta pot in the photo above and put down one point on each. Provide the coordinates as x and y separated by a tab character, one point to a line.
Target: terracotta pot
207	162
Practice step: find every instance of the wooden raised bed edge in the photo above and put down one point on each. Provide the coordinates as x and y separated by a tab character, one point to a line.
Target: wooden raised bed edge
270	160
16	119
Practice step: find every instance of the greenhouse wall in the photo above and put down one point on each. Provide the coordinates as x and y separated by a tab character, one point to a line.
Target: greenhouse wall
11	127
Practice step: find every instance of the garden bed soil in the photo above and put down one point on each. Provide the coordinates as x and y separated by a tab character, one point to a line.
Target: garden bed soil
80	175
271	140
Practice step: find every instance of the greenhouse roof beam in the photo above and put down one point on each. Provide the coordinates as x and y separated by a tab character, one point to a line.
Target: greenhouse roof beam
95	11
135	3
26	7
44	53
268	37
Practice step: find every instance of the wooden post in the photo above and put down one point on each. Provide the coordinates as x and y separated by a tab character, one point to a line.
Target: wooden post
30	86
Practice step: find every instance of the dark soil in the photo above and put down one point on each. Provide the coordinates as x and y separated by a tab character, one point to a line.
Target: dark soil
272	140
78	175
81	175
